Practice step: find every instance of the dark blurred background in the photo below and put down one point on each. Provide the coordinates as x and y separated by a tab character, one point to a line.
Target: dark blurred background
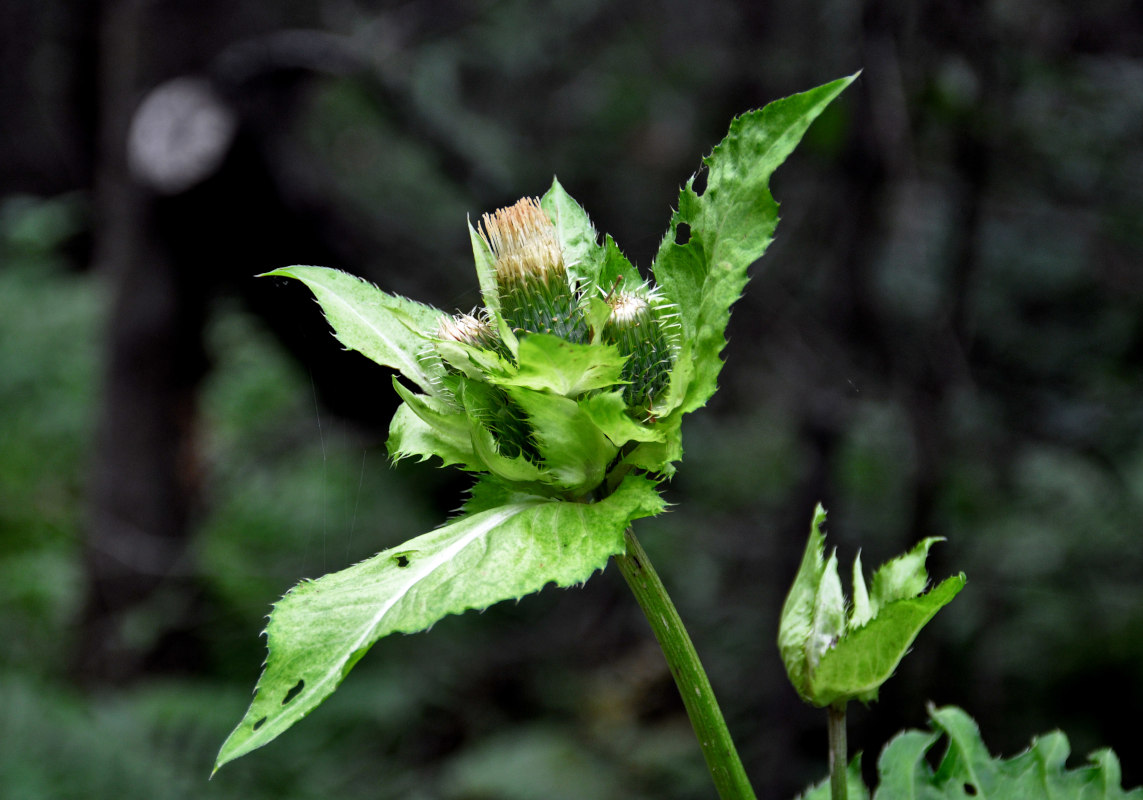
945	339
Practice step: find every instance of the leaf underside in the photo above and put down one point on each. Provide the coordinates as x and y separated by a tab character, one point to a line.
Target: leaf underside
320	629
384	328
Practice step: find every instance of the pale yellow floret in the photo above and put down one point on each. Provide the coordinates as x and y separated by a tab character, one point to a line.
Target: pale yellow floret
523	242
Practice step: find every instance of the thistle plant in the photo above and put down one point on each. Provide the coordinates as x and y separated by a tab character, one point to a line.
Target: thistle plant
563	395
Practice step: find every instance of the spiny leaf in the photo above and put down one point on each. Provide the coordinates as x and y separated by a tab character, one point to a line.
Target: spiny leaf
574	450
425	427
713	238
321	628
387	329
862	660
608	410
575	233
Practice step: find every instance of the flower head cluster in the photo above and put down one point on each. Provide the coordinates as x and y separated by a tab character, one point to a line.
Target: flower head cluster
557	378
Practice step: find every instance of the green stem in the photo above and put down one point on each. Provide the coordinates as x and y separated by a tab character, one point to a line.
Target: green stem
698	697
838	787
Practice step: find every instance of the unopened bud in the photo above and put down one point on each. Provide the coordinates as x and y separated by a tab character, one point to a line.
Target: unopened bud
469	329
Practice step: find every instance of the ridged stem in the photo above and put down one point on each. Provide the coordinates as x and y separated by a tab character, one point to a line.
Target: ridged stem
698	697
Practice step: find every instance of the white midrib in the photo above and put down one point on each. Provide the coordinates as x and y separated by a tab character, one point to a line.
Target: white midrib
422	569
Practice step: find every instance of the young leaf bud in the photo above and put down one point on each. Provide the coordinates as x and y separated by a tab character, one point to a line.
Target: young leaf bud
536	295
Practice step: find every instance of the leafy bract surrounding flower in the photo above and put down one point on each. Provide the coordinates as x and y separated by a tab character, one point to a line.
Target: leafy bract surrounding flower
834	654
968	770
564	394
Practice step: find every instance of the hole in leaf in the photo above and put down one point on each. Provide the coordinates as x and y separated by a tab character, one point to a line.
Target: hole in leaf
259	723
290	695
698	185
970	790
401	559
682	233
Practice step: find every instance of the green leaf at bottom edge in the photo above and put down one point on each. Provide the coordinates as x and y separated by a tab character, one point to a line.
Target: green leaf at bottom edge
856	788
967	768
321	628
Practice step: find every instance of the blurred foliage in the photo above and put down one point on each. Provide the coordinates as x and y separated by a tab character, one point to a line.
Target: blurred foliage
945	339
49	355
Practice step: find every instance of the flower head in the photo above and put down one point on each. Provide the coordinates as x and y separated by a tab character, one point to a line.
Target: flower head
468	329
536	295
641	325
523	241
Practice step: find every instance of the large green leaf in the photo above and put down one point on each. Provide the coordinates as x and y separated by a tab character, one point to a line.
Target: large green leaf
385	328
321	628
714	237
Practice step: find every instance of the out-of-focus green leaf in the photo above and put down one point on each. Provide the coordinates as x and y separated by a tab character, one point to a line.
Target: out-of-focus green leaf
855	784
968	770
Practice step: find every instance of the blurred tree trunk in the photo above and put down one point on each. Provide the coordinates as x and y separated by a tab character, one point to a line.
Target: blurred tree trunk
144	473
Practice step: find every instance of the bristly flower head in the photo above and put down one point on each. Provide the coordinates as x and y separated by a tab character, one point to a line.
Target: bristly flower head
642	326
468	329
523	240
535	293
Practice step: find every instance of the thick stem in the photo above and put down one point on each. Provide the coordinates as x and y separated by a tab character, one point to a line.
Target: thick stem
698	697
838	786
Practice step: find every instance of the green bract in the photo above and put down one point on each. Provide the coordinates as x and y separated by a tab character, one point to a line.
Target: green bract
832	654
564	394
